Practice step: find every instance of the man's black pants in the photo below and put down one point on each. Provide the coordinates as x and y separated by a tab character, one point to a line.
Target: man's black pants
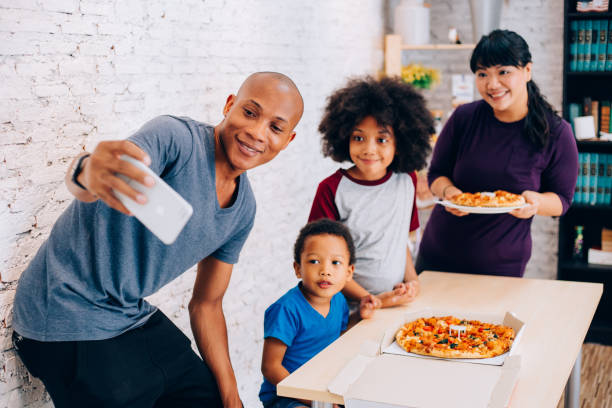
151	366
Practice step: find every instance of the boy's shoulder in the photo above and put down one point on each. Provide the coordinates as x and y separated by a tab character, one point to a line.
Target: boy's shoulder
293	301
339	298
290	299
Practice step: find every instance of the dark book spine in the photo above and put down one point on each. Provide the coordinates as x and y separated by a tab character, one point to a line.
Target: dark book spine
603	45
573	46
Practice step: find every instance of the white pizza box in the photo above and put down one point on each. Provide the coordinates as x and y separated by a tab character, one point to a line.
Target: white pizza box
389	345
375	379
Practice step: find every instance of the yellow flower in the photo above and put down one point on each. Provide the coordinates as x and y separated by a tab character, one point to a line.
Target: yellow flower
420	76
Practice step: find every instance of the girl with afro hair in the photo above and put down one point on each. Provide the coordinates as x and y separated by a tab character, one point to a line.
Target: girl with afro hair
383	127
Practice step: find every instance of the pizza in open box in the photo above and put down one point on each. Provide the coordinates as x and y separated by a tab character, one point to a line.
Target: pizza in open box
451	337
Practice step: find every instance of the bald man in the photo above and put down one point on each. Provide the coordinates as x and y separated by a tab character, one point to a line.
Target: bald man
81	322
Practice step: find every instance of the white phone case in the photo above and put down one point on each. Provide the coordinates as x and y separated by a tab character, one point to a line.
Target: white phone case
165	213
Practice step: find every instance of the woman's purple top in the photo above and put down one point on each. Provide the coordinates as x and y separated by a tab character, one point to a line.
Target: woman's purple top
479	153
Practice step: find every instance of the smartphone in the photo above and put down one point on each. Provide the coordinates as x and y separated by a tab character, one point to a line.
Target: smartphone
165	212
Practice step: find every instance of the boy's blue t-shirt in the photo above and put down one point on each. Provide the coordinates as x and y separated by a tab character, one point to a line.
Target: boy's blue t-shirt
292	320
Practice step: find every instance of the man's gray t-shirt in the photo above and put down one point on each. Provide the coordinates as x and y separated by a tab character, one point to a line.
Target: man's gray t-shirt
88	280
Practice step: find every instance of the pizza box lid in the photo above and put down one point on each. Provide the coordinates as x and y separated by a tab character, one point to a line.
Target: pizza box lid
377	379
390	381
388	344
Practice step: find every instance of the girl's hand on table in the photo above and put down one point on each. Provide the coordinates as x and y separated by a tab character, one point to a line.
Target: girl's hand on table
401	294
407	290
532	198
414	287
367	305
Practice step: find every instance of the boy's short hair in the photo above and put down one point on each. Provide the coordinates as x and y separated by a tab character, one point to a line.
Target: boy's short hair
322	227
392	103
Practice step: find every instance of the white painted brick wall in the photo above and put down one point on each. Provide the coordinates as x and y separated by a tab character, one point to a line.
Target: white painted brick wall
74	72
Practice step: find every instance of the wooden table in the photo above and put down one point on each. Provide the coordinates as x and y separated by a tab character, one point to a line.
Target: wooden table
557	315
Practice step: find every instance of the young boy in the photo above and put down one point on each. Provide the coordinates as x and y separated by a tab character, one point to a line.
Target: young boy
313	314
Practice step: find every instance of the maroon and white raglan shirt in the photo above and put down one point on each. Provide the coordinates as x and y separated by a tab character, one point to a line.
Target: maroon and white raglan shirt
380	215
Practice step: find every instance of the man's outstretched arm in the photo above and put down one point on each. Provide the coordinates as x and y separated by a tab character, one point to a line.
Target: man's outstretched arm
209	328
98	174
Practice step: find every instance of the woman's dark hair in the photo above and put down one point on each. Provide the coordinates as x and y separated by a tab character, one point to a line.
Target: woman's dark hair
322	227
507	48
392	103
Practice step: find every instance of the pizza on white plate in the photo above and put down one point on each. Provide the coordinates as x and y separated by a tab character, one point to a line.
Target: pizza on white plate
499	198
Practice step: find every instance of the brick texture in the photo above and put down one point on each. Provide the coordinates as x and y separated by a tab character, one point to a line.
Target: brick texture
73	73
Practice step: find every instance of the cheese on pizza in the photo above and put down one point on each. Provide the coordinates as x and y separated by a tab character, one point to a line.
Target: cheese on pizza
451	337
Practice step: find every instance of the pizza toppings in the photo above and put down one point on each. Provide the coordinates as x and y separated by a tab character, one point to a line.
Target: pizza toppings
499	198
438	336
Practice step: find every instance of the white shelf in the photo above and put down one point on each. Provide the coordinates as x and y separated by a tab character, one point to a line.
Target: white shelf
438	47
394	48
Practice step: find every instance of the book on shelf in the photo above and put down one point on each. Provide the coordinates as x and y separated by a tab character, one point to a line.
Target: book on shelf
594	46
600	180
609	48
588	40
608	180
580	46
603	44
590	48
574	45
604	121
600	110
574	110
583	195
595	114
594	182
606	239
578	189
587	106
593	162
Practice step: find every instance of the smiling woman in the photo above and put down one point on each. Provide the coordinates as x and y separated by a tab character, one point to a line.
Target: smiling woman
510	140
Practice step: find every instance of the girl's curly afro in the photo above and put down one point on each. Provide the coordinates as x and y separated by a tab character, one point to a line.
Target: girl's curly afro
392	103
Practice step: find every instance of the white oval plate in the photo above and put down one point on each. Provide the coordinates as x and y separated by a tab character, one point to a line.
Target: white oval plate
480	210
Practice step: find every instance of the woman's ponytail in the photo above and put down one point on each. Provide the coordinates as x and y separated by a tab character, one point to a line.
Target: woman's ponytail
537	126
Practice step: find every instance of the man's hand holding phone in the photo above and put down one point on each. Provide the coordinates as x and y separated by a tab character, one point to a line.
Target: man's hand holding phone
100	173
118	174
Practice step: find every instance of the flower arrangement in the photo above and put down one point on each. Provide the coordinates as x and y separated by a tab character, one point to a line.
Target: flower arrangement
420	76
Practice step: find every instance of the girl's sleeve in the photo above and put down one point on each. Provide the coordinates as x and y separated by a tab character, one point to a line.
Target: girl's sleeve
560	175
445	151
414	218
280	323
324	204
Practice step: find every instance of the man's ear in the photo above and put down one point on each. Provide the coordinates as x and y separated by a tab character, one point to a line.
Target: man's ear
228	104
289	141
298	270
